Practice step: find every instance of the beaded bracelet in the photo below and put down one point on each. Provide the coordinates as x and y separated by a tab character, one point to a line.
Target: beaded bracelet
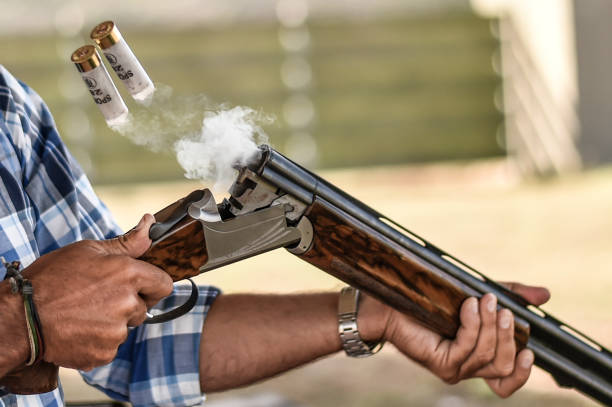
34	328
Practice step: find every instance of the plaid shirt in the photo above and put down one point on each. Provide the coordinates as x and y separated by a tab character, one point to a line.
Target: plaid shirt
46	202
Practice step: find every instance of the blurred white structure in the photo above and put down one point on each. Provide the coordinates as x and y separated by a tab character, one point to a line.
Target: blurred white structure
540	86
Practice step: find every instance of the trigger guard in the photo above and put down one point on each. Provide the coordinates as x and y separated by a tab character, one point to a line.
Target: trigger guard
178	311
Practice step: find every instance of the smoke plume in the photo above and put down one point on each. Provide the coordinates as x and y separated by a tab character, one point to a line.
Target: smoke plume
208	139
228	137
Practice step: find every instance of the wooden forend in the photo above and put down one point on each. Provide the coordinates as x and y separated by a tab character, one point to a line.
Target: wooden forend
355	253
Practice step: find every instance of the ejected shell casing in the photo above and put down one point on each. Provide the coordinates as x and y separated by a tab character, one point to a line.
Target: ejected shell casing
100	84
122	60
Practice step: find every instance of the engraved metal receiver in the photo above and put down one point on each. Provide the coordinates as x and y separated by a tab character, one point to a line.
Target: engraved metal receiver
256	218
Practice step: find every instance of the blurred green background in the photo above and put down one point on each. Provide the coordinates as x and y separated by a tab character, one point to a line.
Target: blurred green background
395	102
404	89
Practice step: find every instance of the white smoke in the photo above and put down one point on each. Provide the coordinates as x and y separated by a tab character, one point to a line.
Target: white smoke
228	138
165	119
209	140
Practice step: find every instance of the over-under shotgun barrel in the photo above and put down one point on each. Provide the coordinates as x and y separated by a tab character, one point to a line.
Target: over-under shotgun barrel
343	223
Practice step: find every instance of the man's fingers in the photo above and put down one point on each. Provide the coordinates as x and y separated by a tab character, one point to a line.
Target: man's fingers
135	242
466	338
484	352
533	295
504	387
151	283
506	347
505	353
139	313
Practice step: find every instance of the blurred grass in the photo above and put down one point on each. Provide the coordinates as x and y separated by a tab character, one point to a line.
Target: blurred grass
554	233
411	89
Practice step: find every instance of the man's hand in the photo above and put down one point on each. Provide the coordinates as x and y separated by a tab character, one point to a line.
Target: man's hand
89	292
484	345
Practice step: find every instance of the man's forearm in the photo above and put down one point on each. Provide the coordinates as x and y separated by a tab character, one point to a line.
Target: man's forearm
13	343
247	338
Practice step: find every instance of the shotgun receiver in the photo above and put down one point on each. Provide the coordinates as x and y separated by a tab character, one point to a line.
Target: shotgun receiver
276	203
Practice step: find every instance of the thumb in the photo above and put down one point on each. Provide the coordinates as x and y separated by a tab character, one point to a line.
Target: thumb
136	241
534	295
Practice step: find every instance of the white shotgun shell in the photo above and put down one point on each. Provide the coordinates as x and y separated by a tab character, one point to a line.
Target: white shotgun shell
123	61
100	85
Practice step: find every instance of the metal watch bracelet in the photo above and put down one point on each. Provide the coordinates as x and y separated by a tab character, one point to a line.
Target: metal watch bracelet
348	307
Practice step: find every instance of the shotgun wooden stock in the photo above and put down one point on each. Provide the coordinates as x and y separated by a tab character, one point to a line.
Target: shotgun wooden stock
181	253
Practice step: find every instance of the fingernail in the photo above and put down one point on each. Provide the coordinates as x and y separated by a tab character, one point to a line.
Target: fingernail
492	303
527	360
473	305
504	320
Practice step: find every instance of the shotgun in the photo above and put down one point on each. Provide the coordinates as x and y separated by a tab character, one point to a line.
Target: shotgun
276	203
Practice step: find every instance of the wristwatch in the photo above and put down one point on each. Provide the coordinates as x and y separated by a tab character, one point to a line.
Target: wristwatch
354	346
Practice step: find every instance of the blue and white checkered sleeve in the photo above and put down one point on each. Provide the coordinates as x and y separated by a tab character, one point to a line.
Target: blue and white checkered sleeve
158	365
46	202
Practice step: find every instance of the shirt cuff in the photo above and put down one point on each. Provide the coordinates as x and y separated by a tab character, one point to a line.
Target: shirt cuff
158	365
